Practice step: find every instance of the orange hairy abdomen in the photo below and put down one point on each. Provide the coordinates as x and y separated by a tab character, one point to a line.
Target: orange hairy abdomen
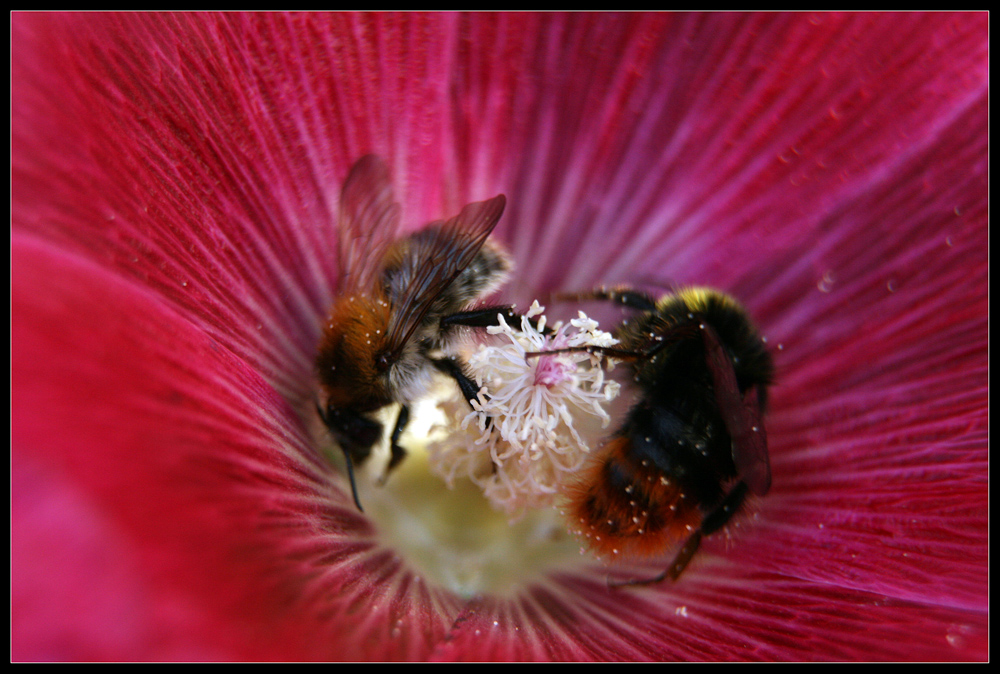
622	507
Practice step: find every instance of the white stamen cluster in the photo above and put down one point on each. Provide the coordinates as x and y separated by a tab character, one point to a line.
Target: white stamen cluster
521	457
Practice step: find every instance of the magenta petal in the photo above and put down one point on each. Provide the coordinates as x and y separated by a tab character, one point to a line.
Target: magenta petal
170	443
760	617
178	489
886	386
174	189
67	562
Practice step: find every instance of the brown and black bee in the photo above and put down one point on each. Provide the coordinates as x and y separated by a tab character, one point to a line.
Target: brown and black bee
693	445
398	309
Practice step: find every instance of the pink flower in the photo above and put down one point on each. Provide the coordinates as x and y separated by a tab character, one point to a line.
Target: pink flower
175	181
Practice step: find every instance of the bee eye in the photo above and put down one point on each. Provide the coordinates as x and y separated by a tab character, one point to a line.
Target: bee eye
383	361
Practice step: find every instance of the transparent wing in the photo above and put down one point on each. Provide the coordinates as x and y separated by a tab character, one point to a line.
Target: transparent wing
742	415
439	259
369	223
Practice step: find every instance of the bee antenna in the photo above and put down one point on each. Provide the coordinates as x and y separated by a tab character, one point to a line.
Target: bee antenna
606	351
569	349
347	460
350	477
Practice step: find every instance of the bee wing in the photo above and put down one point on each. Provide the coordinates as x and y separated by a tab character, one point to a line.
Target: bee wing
742	416
441	258
369	221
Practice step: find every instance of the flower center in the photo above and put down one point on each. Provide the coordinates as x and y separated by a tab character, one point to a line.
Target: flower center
474	506
551	371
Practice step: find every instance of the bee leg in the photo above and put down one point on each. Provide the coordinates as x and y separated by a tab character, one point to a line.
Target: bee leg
678	334
470	390
712	522
453	368
355	434
623	295
398	453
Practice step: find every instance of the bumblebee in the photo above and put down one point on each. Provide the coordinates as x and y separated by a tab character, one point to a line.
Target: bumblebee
400	303
693	445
